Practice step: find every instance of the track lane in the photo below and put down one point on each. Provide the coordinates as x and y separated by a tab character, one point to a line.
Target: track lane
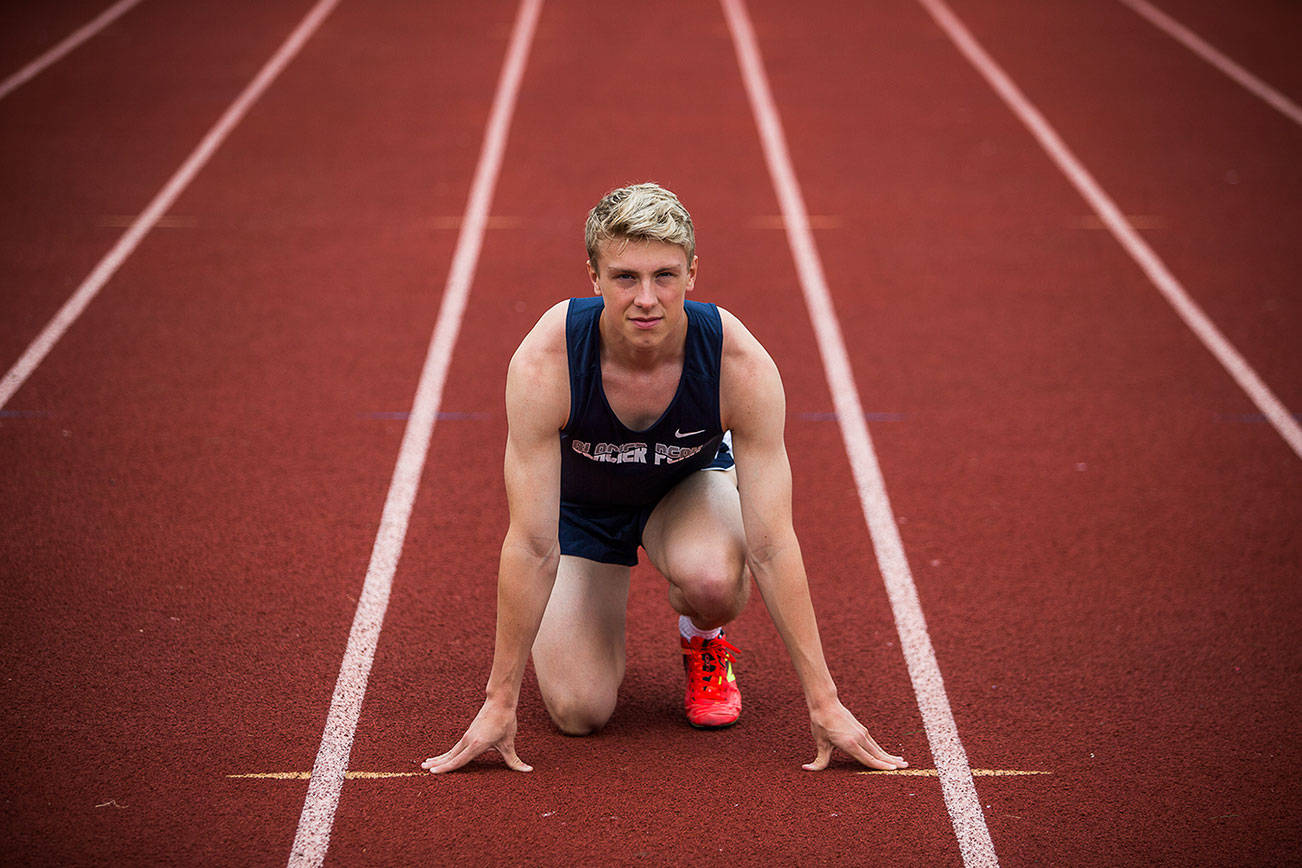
65	46
1210	54
155	213
1110	567
29	30
648	787
183	558
89	142
944	741
1211	170
1259	36
330	768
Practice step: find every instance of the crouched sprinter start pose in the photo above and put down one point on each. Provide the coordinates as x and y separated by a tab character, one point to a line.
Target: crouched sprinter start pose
650	396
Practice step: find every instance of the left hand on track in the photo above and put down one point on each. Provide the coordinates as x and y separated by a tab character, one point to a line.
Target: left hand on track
836	727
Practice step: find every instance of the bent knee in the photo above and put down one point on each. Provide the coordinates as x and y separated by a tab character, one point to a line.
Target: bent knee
580	714
714	591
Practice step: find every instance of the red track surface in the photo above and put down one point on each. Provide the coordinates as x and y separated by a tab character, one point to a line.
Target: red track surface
1104	534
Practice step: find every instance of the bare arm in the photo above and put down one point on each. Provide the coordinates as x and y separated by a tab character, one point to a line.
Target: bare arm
755	410
537	403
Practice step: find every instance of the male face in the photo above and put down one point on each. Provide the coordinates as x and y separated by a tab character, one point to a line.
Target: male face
643	283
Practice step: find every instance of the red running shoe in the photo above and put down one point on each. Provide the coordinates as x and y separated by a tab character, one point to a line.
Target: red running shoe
712	700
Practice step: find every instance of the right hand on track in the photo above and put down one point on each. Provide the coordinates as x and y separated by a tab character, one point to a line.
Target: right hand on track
492	729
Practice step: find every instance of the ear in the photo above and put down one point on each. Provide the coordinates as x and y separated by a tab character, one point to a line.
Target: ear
593	276
691	274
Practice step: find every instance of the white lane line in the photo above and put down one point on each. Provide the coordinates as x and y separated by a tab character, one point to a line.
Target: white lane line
55	54
957	786
328	772
1200	47
126	244
1111	215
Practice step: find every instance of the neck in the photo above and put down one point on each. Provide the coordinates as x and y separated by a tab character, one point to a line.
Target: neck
630	353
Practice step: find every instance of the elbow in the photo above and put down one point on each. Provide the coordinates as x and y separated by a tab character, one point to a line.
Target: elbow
766	555
759	558
543	550
763	560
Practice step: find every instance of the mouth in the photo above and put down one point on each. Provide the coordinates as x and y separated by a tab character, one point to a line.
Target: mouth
645	323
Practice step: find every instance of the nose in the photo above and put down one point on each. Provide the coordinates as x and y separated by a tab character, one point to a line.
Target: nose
646	294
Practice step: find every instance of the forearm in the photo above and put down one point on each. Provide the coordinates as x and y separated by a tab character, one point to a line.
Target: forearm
780	575
524	584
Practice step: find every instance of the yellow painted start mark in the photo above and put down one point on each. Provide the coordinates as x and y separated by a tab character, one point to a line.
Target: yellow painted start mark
303	776
370	776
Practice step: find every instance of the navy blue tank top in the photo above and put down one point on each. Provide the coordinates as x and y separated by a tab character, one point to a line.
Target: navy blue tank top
604	463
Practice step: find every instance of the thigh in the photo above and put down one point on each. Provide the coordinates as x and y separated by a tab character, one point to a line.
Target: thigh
579	651
697	526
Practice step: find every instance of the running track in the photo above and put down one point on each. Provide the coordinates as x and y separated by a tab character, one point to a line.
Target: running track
1102	527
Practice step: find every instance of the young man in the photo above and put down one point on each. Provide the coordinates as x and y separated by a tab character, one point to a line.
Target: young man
617	410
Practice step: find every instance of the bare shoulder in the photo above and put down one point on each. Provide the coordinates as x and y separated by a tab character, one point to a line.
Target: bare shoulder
545	341
537	381
749	379
744	358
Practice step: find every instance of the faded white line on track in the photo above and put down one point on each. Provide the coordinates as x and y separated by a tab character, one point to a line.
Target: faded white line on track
1199	46
956	782
1161	277
328	772
126	245
57	53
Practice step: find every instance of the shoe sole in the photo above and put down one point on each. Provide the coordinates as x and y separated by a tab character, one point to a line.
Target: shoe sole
714	725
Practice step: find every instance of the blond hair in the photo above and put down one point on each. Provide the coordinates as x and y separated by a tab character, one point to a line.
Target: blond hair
641	212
